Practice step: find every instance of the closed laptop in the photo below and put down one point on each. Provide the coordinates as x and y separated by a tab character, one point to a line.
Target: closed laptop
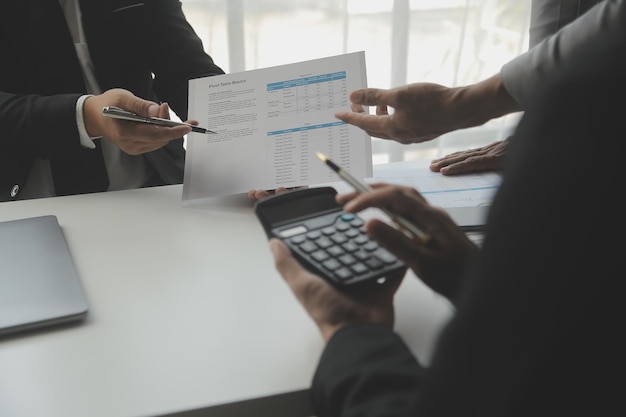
39	283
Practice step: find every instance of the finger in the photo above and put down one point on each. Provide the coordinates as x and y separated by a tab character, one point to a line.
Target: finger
474	164
371	97
258	194
343	198
164	111
288	267
375	125
140	106
436	165
397	199
358	108
381	110
393	240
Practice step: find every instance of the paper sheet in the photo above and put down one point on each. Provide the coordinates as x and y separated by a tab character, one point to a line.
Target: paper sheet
466	190
270	123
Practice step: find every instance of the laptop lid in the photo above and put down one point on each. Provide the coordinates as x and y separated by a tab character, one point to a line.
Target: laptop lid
39	284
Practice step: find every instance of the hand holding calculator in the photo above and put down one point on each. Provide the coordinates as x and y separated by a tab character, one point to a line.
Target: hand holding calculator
326	240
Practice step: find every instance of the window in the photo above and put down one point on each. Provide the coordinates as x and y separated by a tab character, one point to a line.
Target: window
450	42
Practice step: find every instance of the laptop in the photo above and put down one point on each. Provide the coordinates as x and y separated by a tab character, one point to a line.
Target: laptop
39	283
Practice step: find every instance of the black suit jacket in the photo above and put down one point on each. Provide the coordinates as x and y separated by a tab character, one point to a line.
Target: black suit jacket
538	326
145	46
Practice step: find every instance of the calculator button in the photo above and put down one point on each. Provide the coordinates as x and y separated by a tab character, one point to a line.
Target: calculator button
298	239
374	263
332	264
314	234
343	273
362	255
320	255
361	239
359	268
324	242
335	251
347	259
342	226
352	232
308	247
357	222
350	247
348	217
339	238
328	230
370	246
385	256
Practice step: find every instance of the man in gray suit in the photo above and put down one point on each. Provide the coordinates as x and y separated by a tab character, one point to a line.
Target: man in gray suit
537	310
63	60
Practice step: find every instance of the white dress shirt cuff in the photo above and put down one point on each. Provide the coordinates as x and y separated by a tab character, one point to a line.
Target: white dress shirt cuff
85	140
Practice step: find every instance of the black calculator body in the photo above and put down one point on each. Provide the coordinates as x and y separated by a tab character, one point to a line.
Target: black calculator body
326	240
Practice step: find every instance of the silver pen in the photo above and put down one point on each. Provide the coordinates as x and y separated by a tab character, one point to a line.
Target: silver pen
404	225
118	113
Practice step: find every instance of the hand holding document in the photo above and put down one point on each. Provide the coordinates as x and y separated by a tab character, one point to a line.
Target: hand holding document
268	125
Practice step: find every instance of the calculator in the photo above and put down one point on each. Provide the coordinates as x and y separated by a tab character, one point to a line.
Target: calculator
326	240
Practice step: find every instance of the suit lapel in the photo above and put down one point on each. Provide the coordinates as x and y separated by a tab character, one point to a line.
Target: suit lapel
97	18
57	65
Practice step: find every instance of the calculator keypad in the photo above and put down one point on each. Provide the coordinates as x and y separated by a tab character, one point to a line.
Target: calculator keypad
338	246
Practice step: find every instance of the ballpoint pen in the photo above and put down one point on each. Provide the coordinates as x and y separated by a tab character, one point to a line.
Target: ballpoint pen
118	113
403	224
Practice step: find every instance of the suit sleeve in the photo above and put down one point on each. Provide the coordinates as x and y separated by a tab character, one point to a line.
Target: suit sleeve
366	370
29	121
521	75
185	59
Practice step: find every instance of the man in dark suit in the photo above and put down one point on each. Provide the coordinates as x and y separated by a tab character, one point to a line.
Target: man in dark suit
63	60
538	308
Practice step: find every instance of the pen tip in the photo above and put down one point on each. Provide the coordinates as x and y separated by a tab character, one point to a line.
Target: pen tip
322	156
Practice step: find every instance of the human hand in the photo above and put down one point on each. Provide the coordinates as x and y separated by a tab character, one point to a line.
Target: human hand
255	195
423	111
131	137
442	261
329	307
487	158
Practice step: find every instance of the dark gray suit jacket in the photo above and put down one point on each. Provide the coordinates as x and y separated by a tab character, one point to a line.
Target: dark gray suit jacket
537	329
145	46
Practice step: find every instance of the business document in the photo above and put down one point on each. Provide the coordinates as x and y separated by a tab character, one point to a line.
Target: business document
270	123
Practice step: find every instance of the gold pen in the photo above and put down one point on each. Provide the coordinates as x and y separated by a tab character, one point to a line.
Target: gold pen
403	224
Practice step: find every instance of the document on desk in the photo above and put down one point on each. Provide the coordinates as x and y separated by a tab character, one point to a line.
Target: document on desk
465	190
270	123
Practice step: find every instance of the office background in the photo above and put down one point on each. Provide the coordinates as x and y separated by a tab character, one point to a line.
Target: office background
450	42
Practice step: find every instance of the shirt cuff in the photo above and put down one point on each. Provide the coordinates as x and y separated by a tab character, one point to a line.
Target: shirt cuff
85	140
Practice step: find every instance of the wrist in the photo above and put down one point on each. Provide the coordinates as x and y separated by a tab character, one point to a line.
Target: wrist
91	117
483	101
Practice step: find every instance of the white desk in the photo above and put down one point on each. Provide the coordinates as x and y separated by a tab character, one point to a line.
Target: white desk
187	313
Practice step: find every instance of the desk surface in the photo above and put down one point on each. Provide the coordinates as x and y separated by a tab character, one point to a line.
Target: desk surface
187	312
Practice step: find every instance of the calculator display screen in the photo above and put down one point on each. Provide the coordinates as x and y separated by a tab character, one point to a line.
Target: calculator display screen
299	207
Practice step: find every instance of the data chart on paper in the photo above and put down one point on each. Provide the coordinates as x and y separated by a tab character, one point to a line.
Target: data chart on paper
299	124
271	123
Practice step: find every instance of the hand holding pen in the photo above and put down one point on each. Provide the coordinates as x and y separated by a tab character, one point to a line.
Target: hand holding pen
132	138
403	224
117	113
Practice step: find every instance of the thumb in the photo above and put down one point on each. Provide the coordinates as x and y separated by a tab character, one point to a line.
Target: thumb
142	107
285	263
